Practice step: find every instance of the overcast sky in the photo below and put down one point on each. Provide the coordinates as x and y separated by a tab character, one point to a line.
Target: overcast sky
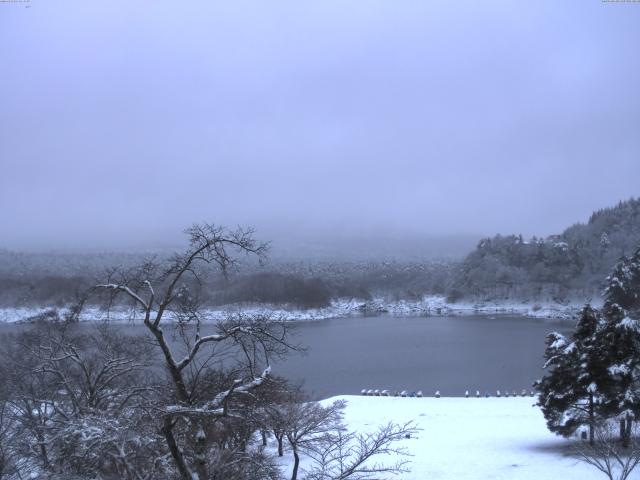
122	122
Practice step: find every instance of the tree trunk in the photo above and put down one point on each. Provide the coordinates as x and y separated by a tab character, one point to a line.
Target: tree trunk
280	448
627	432
167	430
174	371
592	421
264	437
622	429
183	396
296	463
43	450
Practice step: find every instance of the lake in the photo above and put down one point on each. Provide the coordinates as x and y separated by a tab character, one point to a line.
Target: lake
449	354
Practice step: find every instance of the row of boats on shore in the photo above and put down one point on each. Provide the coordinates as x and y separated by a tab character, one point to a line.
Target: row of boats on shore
419	394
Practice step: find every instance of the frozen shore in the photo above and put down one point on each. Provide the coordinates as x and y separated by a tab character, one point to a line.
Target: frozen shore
427	306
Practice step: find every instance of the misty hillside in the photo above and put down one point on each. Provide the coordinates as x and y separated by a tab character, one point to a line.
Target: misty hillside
38	279
571	265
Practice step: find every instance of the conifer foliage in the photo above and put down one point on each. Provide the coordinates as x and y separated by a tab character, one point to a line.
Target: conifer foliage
595	374
568	393
619	344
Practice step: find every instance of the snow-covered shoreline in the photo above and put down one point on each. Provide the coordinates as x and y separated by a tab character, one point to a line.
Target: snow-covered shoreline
438	306
468	438
427	307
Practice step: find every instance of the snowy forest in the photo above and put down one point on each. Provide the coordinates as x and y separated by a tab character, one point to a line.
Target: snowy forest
561	268
571	264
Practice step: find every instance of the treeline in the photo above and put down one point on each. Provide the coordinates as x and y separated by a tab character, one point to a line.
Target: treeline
40	290
561	267
301	284
564	267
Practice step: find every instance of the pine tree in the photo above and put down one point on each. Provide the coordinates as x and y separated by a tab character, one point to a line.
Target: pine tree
568	392
619	344
622	293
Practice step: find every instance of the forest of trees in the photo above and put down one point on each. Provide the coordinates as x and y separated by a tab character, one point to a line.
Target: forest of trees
26	282
561	268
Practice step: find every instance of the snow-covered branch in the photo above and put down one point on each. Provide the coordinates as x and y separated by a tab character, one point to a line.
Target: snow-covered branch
354	456
125	289
219	405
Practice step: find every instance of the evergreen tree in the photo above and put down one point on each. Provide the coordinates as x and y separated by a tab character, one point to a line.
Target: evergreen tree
568	393
619	344
622	293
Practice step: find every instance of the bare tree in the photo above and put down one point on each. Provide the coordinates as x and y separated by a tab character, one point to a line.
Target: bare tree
277	420
71	401
279	395
170	292
309	423
608	454
354	455
8	458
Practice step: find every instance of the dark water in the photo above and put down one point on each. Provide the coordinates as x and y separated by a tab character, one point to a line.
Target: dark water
450	354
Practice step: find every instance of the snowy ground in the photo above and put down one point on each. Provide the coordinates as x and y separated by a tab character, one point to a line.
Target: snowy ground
427	306
471	439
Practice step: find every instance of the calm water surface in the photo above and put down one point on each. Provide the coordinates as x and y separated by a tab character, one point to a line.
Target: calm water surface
450	354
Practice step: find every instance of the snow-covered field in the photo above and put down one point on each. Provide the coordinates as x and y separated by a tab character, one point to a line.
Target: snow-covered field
427	306
471	439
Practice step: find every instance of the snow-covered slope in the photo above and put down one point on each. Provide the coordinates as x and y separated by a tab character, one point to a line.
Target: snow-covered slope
471	439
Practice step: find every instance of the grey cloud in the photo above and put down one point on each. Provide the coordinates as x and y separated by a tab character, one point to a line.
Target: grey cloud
121	123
